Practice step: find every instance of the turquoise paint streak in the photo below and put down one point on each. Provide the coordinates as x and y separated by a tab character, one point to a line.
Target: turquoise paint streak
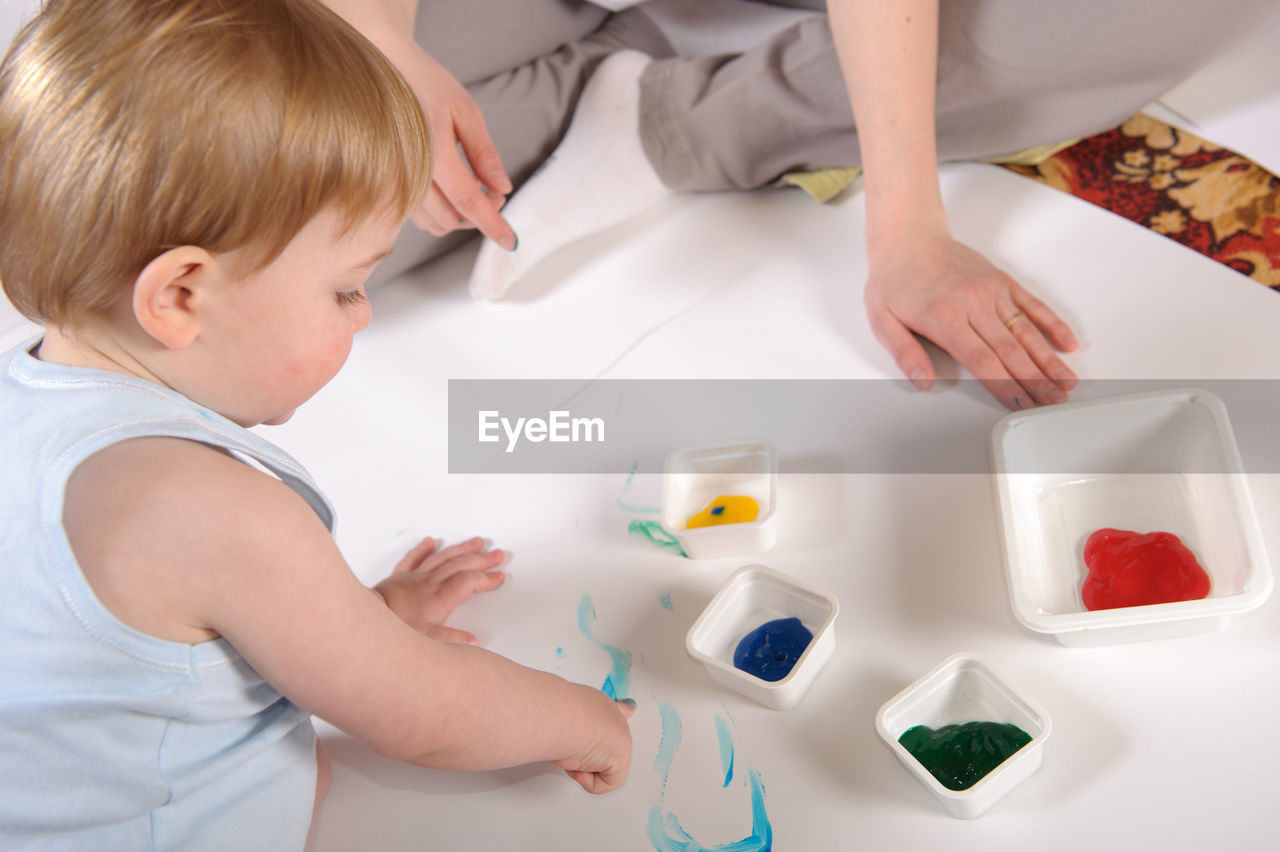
726	750
653	531
671	732
664	829
665	600
617	684
667	835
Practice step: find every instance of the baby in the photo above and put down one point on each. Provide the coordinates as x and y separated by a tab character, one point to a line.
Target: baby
192	195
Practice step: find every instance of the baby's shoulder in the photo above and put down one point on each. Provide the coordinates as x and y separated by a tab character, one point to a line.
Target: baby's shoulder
166	477
155	521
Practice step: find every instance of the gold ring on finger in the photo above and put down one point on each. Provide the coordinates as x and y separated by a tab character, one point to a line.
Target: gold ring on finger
1009	322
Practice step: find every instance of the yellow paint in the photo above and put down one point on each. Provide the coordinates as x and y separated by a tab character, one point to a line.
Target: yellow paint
734	509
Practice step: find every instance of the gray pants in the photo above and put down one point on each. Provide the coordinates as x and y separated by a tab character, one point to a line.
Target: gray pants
1012	74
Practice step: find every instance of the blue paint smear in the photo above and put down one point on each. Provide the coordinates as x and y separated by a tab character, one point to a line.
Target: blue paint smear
671	732
560	653
665	600
618	682
726	750
667	835
664	830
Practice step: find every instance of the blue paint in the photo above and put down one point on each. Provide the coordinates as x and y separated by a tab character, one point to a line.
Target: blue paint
560	653
667	835
665	600
618	682
771	650
671	733
664	829
717	510
726	750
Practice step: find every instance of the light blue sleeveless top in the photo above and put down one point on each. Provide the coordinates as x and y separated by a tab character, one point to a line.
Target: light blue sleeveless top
111	739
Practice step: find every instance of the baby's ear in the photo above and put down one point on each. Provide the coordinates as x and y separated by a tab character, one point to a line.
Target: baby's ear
169	292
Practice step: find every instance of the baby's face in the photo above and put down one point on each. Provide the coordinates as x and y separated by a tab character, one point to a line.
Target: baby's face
287	328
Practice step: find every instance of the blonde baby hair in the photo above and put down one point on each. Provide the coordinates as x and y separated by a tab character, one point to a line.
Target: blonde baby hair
129	127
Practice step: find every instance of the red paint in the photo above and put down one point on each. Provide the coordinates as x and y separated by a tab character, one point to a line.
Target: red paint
1133	569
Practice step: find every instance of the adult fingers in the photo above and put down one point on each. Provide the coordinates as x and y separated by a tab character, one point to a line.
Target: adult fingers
1035	342
1014	357
903	347
473	205
973	353
1054	329
479	149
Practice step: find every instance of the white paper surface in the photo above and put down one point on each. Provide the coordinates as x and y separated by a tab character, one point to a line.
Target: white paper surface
1155	745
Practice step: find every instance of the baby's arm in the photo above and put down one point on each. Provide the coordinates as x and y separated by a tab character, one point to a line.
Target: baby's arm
241	555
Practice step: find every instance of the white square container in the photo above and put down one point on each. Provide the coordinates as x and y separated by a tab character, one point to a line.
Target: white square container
965	688
695	476
755	595
1153	461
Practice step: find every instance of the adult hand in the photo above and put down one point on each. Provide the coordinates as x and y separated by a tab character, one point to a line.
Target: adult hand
947	292
464	193
427	585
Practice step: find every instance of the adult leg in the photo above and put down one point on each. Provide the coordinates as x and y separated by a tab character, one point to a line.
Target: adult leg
1012	74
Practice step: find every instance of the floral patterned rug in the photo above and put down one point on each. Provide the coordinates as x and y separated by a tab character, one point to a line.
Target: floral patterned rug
1192	191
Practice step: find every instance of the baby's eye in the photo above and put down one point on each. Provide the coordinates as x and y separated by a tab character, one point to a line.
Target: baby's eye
350	298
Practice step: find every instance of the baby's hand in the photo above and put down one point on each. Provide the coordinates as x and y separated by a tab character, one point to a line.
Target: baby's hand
602	763
427	585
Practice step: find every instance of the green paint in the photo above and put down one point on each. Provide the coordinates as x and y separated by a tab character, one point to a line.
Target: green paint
653	531
959	756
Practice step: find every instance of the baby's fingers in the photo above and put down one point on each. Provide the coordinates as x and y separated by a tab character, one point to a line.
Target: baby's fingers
449	635
459	587
415	556
470	563
469	547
